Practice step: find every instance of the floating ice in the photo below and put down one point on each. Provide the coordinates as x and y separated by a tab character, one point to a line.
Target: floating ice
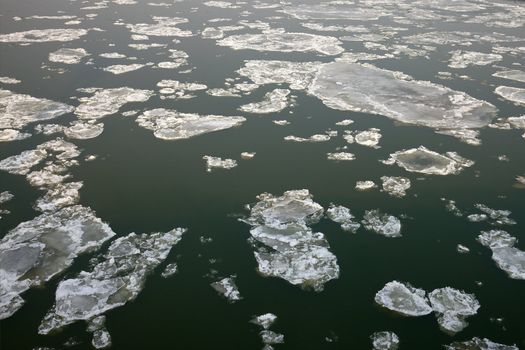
19	110
313	138
43	35
497	216
68	55
468	136
516	75
104	102
274	101
369	138
271	338
481	344
8	80
365	185
228	289
298	75
513	94
83	130
395	185
173	125
123	68
404	299
169	270
385	340
114	281
22	163
212	33
462	249
290	250
365	88
219	163
247	155
265	320
284	42
338	156
7	135
425	161
343	216
463	59
179	89
59	196
507	257
37	250
452	307
165	26
221	4
335	10
383	224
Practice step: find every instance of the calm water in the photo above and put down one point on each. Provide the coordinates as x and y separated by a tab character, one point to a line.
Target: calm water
140	183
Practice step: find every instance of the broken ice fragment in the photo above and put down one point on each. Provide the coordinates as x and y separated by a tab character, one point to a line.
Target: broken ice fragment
271	338
123	68
452	307
169	270
83	130
463	59
385	340
507	257
516	75
395	185
497	216
22	163
383	224
404	299
365	185
228	289
343	216
265	320
462	249
369	138
7	135
247	155
68	55
217	162
274	101
313	138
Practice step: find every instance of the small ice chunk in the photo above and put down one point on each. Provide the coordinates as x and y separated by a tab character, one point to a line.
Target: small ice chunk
383	224
345	122
271	338
8	80
265	320
497	216
217	162
169	270
461	249
368	138
281	122
101	339
273	102
68	55
343	216
313	138
123	68
7	135
228	289
340	156
365	185
43	35
247	155
452	307
463	59
384	340
395	186
403	299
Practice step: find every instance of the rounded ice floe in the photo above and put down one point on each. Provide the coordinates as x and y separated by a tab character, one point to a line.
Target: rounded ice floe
452	307
368	138
22	163
284	42
514	94
404	299
395	185
425	161
164	26
84	130
365	88
68	55
8	80
383	224
385	341
123	68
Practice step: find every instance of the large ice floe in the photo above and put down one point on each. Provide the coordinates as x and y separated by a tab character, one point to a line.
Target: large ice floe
104	102
117	278
422	160
273	101
285	246
284	42
43	35
384	341
507	257
479	344
172	125
516	75
37	250
19	110
451	306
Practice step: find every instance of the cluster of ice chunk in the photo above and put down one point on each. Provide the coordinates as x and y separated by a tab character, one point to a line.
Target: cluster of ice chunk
268	337
288	248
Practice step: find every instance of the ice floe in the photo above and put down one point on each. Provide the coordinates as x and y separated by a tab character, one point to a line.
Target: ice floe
264	320
123	68
83	130
463	59
169	270
298	75
452	307
340	156
285	246
164	26
481	344
403	299
68	55
365	185
219	163
173	125
313	138
516	75
227	288
507	257
118	278
384	341
43	35
497	216
274	101
396	185
10	81
425	161
514	94
343	216
179	90
381	223
7	135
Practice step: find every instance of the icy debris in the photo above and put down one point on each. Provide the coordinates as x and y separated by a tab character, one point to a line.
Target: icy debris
461	249
37	250
507	257
497	216
118	278
265	320
339	156
19	110
43	35
219	163
451	207
285	246
169	270
298	75
8	80
365	185
343	216
284	42
83	130
395	185
164	26
313	138
384	341
271	338
274	101
123	68
463	59
366	88
59	196
383	224
7	135
452	307
481	344
247	155
404	299
68	55
513	94
477	217
104	102
227	288
5	197
425	161
173	125
468	136
516	75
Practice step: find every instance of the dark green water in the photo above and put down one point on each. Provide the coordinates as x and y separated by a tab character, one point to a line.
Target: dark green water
140	183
